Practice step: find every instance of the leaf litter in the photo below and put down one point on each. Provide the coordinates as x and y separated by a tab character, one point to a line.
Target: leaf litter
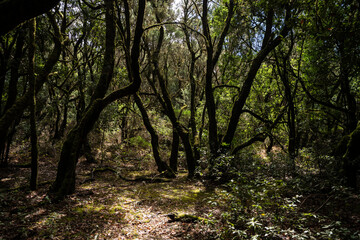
107	208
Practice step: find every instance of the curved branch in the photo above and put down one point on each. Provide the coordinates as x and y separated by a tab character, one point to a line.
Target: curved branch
174	23
257	138
257	116
326	104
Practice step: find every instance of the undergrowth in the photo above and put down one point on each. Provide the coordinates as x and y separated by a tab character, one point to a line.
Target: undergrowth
265	205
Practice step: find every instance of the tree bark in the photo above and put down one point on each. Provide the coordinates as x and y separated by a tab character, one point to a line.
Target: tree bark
12	94
351	120
162	166
183	133
192	122
14	75
32	80
267	46
66	175
213	55
168	107
174	151
283	71
13	113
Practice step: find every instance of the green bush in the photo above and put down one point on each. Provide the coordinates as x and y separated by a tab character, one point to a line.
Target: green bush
265	207
139	141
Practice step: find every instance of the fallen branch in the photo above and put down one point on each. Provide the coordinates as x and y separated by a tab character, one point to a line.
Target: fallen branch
154	179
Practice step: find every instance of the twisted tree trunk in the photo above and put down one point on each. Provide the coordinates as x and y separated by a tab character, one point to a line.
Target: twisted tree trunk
66	173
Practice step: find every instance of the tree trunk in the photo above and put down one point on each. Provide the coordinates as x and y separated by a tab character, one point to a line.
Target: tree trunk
183	133
14	75
66	173
192	121
12	94
174	151
168	107
267	46
16	110
33	134
70	152
351	120
213	55
162	166
282	68
65	117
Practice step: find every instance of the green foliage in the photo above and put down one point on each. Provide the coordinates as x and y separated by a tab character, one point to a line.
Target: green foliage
221	168
139	142
265	207
219	14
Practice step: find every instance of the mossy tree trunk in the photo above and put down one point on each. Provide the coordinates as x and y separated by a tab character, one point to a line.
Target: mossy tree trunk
125	27
174	151
282	63
344	76
70	152
213	53
195	55
165	101
180	129
14	111
33	134
14	69
169	109
66	173
161	165
11	93
268	44
4	59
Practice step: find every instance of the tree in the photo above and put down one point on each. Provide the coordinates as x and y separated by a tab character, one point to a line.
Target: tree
213	50
269	42
14	112
166	102
284	73
65	179
34	138
162	166
12	91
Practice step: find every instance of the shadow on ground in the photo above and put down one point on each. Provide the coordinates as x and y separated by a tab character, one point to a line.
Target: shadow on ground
111	208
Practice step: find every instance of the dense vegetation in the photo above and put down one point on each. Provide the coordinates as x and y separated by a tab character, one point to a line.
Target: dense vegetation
257	101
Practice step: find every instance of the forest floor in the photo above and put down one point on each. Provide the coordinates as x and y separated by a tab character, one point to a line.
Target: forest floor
106	207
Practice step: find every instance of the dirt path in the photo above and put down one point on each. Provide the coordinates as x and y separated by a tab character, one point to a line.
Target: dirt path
111	208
